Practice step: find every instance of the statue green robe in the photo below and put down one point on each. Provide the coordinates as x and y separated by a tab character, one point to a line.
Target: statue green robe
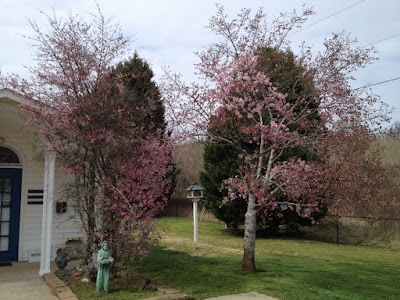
104	261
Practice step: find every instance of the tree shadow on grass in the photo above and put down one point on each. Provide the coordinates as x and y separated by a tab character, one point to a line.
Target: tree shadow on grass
200	276
281	276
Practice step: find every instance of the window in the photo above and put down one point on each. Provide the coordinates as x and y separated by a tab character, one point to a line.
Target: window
7	156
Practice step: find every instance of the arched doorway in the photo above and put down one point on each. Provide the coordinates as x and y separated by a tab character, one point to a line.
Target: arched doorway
10	202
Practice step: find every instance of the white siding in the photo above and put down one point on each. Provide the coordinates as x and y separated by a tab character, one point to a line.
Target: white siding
17	136
63	227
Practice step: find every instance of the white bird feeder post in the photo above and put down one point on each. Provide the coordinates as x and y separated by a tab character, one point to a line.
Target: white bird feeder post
195	193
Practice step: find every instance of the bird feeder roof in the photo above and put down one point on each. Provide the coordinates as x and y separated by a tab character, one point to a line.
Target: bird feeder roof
195	187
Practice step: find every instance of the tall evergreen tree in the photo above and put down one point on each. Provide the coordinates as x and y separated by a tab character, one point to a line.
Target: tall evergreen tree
141	90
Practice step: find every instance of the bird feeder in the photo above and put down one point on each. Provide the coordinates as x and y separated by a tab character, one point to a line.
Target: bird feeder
195	193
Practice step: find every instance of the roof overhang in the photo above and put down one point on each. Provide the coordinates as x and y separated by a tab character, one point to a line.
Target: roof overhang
11	95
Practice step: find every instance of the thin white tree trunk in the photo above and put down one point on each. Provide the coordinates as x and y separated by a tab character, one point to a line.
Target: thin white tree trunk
250	226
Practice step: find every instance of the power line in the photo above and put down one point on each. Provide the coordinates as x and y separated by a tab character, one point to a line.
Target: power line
334	14
376	42
376	83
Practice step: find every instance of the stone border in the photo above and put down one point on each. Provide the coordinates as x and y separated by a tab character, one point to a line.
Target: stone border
59	287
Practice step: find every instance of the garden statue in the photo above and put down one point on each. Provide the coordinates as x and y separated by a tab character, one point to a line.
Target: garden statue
61	261
104	261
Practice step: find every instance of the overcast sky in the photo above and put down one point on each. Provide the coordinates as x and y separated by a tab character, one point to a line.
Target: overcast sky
167	32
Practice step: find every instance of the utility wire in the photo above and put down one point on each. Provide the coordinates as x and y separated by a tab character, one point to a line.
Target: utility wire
385	39
376	83
334	14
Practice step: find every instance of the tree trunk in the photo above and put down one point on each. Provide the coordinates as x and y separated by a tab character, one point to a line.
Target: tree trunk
91	214
250	225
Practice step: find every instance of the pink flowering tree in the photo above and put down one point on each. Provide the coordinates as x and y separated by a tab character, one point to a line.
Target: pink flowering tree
233	92
105	122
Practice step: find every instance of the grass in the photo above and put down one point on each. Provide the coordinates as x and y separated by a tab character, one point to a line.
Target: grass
287	268
361	231
122	289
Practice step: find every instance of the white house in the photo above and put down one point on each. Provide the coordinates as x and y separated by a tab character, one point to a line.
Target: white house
34	222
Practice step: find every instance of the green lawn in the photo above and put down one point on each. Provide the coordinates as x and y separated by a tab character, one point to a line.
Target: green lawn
121	289
287	268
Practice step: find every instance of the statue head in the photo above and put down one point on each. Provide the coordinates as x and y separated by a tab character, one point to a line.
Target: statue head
104	245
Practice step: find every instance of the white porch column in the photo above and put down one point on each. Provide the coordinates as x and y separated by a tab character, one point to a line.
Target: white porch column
47	218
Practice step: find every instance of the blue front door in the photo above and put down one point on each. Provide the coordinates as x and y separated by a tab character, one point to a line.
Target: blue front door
10	201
